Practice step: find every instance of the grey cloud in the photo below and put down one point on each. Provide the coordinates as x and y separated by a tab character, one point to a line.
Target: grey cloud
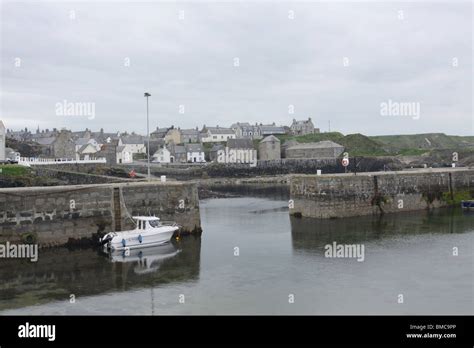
282	62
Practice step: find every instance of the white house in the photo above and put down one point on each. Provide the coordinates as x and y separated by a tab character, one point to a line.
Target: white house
162	155
86	152
133	144
86	148
195	153
124	155
2	141
216	134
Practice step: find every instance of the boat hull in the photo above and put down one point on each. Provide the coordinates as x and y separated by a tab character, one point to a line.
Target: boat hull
140	239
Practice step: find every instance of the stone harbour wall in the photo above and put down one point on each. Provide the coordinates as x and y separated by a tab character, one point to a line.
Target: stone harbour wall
66	214
344	195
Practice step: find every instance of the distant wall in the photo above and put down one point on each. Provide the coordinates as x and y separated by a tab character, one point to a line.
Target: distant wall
76	178
274	167
61	214
334	196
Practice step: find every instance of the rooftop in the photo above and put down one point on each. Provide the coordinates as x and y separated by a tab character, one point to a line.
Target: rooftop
270	138
243	143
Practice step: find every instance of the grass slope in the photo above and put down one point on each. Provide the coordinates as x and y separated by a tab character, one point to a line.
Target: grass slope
356	144
416	143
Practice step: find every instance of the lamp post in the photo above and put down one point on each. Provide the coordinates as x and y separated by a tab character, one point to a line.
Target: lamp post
148	133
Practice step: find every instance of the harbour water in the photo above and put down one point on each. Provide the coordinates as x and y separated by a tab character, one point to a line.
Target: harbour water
252	258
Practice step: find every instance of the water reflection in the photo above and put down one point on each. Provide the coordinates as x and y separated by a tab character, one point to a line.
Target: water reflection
60	272
267	191
313	234
146	260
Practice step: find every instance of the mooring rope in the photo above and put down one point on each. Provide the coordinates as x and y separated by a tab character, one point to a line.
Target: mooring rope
127	213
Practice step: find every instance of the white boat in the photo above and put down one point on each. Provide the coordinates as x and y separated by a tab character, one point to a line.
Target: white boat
150	231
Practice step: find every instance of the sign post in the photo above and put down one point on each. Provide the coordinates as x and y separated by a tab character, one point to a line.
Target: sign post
345	163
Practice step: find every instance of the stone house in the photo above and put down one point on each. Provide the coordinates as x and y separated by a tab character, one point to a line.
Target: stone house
320	150
159	133
270	129
179	153
109	152
213	153
245	130
60	146
173	136
302	127
240	144
258	131
64	146
46	145
190	136
269	149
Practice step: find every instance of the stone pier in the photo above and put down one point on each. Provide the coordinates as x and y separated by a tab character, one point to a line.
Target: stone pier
66	214
344	195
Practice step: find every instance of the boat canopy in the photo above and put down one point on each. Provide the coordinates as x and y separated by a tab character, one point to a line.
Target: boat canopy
146	218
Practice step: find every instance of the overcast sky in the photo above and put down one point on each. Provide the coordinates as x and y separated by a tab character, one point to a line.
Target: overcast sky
288	54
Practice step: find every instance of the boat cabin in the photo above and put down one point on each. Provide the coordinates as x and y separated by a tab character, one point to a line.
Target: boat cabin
147	222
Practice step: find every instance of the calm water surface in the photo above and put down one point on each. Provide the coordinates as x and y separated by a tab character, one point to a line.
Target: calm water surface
409	254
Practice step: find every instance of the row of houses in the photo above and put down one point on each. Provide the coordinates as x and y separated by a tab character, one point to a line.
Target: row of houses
82	145
268	149
237	130
170	144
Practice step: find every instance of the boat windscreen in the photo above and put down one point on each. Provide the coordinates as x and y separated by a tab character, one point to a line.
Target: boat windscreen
154	223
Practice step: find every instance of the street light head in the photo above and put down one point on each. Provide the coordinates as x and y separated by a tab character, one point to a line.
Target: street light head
147	94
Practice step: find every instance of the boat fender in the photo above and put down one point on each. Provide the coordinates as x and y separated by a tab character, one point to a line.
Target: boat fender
124	243
140	238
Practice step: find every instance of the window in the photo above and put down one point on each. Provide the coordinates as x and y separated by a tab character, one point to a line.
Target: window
154	223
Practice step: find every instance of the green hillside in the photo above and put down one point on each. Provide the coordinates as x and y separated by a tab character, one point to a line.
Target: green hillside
419	143
356	144
384	145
